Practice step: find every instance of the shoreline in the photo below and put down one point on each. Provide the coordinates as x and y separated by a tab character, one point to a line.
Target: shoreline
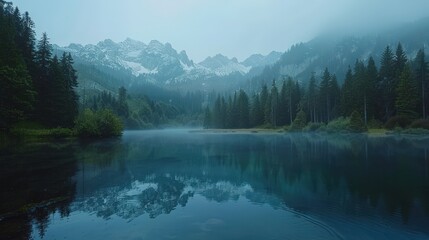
372	133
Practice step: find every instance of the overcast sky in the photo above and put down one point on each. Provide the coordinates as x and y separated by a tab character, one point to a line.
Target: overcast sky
235	28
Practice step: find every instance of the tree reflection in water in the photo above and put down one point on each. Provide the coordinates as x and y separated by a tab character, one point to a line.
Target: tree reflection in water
153	173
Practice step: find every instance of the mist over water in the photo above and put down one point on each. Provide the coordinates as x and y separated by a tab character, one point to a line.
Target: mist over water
187	184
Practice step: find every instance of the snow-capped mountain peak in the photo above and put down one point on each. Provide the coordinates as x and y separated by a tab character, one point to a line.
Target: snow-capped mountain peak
155	62
222	65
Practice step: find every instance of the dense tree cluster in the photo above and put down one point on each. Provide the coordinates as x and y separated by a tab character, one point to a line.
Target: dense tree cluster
34	84
398	89
106	100
136	112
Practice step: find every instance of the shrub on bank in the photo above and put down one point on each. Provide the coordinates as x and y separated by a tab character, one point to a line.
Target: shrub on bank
397	121
420	123
340	124
313	127
300	121
102	123
356	123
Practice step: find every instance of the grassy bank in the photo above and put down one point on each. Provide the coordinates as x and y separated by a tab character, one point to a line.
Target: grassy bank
89	124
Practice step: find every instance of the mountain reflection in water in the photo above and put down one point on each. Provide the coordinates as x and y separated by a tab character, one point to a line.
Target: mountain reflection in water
347	186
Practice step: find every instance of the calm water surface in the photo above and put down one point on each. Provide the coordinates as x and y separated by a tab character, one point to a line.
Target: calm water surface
180	184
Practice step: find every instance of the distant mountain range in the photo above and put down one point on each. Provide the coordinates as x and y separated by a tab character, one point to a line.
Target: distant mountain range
162	65
109	65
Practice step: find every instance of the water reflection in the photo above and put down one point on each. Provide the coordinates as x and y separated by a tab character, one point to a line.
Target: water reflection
339	180
35	181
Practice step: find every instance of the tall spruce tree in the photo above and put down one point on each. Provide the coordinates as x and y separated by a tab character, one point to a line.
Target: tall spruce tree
274	104
387	83
70	83
324	95
400	60
122	107
41	80
289	100
27	40
312	98
406	100
282	105
347	92
16	88
334	95
370	90
243	109
257	112
16	95
421	73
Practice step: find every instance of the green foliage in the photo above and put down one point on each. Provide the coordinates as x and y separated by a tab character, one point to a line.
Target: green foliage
43	133
34	85
387	83
421	73
397	121
257	113
406	100
411	131
103	123
340	124
300	121
356	122
420	123
16	95
313	127
374	124
312	98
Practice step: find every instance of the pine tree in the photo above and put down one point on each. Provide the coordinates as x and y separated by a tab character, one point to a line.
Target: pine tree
334	95
370	90
274	104
70	83
289	99
300	121
243	109
41	81
122	108
387	83
406	92
400	61
312	98
421	73
16	95
356	123
282	105
257	112
217	111
56	112
324	95
27	40
16	89
347	94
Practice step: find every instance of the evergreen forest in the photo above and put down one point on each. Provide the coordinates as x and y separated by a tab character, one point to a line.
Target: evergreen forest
395	95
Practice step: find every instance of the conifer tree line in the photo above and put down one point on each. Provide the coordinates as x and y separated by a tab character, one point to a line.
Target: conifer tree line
34	84
399	88
105	100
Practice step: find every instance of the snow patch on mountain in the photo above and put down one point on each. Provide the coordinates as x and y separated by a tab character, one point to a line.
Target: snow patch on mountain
223	66
137	69
159	63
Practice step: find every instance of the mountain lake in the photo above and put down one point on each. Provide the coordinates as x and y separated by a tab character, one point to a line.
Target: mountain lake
190	184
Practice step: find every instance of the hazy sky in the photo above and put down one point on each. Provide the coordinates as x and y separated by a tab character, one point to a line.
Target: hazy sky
207	27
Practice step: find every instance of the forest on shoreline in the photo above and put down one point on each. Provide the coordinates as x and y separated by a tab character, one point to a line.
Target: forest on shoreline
38	96
393	96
